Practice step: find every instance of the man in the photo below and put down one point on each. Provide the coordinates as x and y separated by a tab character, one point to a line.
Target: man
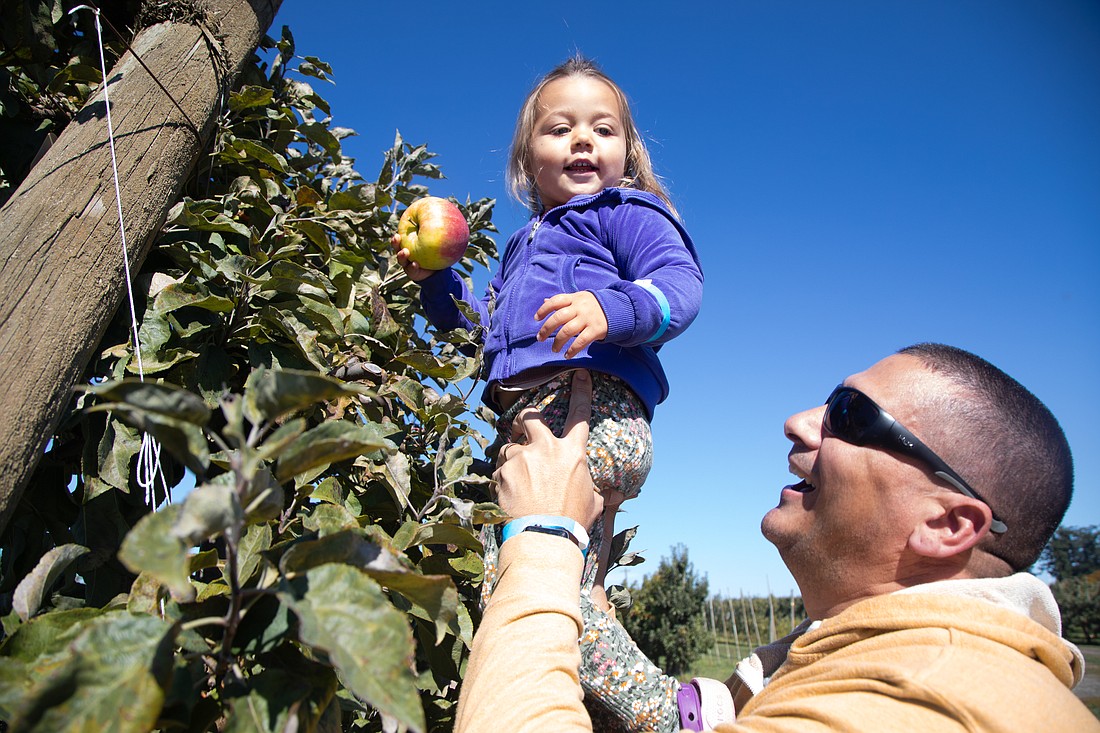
928	484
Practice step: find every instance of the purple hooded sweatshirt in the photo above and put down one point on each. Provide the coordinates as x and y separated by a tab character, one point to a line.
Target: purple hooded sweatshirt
622	245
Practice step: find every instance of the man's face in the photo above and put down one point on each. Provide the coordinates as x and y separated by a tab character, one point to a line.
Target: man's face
843	528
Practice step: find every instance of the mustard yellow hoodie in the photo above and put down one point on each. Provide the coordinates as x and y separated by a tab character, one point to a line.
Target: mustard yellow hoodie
984	656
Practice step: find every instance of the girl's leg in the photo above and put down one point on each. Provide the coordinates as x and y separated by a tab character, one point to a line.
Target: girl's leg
607	533
624	690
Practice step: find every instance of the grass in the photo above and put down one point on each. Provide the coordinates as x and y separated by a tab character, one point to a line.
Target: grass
718	662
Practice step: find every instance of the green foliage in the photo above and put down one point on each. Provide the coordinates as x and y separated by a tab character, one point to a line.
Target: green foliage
1079	601
323	573
666	617
1073	557
1071	552
49	65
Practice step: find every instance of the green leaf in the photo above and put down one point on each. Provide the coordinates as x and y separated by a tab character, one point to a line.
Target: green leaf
289	270
265	498
620	543
188	215
154	333
36	650
311	70
619	597
242	150
160	399
183	439
250	97
117	448
274	704
432	366
180	295
457	462
145	595
319	64
318	133
343	612
33	588
327	319
283	436
356	198
163	360
381	319
328	519
270	394
434	597
152	547
113	681
328	443
442	533
299	333
348	547
255	542
75	73
208	511
399	484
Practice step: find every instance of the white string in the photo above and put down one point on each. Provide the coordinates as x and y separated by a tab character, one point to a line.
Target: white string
148	460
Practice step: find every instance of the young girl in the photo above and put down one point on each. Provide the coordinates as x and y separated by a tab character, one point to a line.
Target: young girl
601	276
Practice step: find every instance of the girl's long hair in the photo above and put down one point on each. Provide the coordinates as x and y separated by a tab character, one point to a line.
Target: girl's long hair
638	171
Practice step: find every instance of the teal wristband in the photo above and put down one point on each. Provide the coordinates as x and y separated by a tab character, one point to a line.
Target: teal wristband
548	524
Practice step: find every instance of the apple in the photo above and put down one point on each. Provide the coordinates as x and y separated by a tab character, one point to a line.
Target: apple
435	233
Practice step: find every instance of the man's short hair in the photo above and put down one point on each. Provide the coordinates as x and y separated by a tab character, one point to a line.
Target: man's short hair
1007	445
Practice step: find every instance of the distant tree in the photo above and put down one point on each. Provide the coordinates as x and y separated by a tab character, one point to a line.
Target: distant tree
1079	600
1072	557
666	618
1072	552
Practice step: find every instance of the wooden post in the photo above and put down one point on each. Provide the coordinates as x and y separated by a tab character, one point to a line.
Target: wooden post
61	266
771	615
725	630
755	624
736	638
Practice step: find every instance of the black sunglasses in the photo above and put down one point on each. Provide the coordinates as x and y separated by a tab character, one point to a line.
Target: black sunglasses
855	418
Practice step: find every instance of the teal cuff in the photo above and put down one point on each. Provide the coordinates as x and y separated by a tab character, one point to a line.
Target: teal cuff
662	303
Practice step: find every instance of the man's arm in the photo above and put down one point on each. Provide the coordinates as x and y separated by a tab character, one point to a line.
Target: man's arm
522	674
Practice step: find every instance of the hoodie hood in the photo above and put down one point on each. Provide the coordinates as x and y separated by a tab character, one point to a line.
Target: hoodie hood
1018	612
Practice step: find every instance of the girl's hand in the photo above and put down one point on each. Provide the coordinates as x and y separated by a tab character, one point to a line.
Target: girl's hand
576	316
415	272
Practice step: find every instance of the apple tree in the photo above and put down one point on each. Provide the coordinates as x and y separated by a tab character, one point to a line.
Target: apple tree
666	614
322	574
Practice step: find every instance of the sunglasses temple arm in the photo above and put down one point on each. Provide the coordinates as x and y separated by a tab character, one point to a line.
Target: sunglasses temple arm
996	526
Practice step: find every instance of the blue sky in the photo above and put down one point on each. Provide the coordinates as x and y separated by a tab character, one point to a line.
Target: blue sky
857	176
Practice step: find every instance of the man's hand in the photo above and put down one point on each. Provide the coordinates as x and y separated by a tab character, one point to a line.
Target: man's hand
576	316
549	475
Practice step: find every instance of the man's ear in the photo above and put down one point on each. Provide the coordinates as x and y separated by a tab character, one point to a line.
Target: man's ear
952	525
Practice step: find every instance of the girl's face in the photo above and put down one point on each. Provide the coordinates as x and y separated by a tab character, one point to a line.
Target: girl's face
578	144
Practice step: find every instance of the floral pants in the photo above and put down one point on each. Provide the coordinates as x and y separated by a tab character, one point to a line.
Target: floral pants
624	690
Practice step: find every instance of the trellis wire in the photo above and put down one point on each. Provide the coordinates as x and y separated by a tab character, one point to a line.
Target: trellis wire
148	459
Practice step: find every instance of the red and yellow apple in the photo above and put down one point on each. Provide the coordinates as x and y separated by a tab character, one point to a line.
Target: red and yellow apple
435	233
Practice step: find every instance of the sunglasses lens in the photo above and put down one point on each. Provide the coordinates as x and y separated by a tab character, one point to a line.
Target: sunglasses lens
850	415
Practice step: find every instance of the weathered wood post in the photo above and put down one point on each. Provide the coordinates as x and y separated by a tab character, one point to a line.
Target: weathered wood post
61	266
